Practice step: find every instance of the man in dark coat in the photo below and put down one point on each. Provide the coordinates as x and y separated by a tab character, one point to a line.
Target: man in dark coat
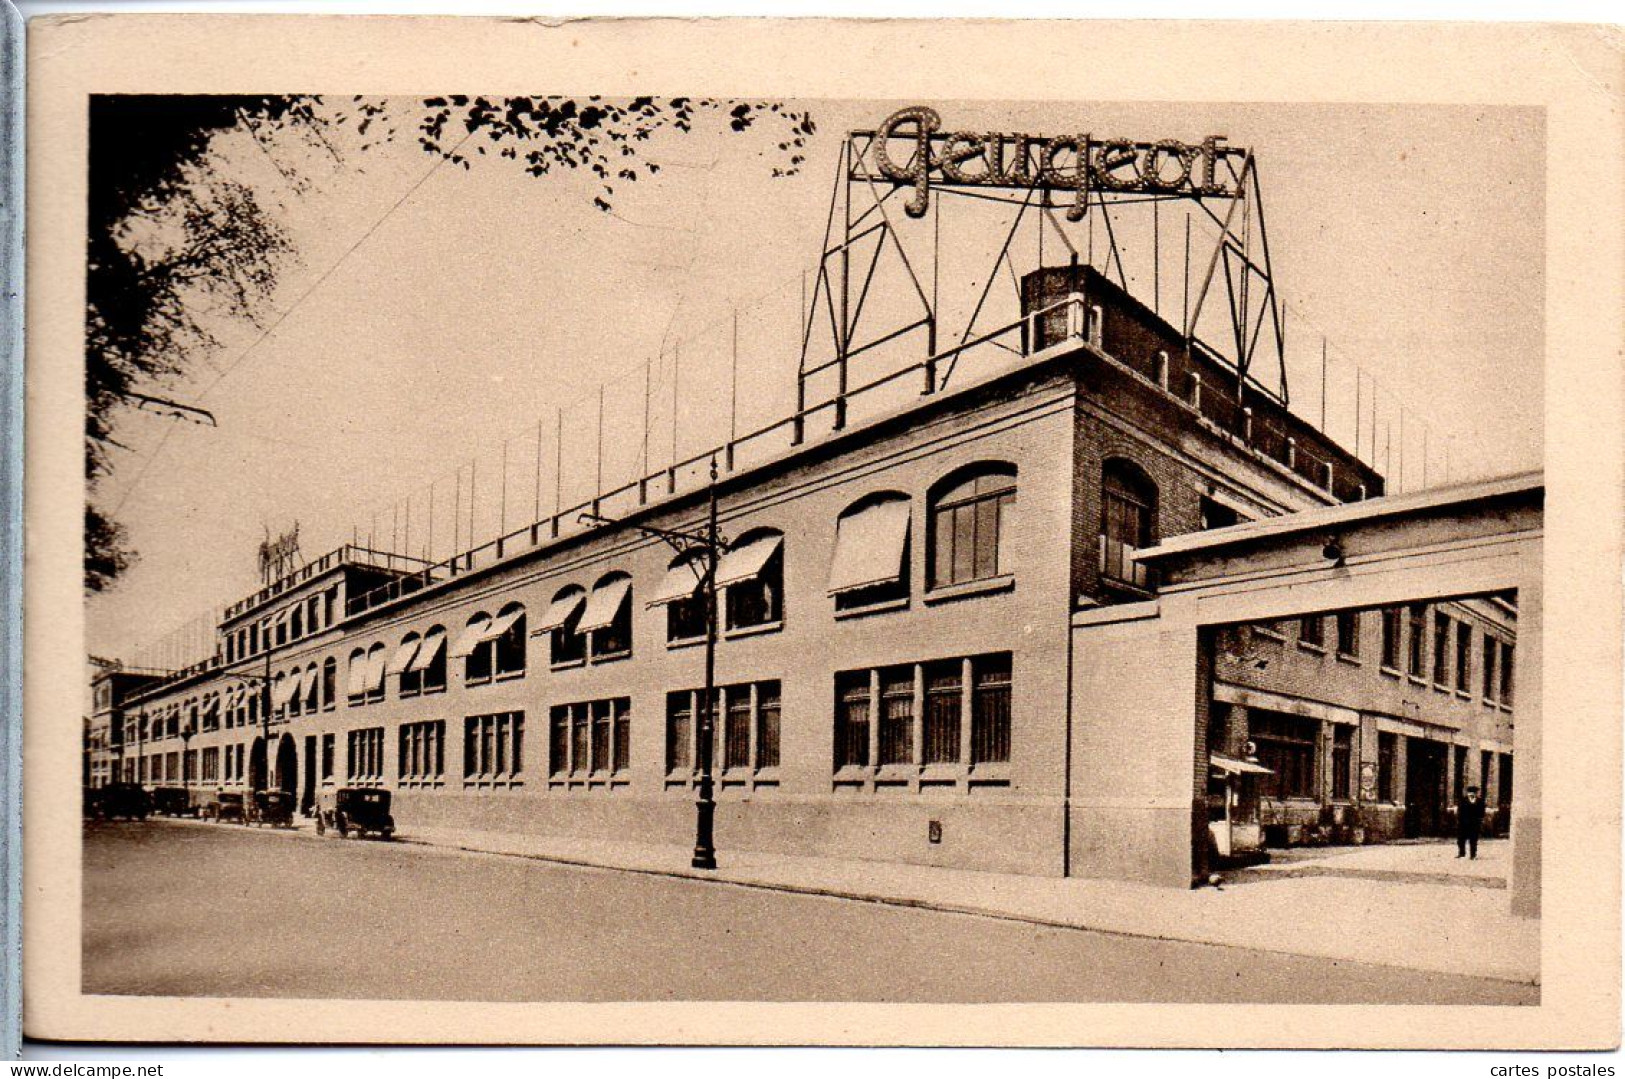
1469	822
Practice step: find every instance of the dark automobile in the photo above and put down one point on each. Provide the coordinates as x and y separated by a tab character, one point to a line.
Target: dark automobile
354	810
127	800
227	805
269	807
171	801
92	802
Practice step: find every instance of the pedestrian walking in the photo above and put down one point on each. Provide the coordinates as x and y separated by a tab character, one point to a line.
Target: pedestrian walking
1469	822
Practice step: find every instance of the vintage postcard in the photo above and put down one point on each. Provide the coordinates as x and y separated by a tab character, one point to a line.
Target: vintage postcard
919	533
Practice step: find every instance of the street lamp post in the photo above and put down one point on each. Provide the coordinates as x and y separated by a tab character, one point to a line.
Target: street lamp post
186	753
713	544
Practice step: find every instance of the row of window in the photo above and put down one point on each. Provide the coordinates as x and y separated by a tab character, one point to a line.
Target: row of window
925	715
1405	641
310	615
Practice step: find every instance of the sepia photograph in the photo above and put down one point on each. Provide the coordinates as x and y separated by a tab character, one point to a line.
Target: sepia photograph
886	548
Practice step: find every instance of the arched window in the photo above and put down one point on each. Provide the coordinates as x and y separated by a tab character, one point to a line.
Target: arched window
871	563
1128	522
279	692
469	648
330	682
508	640
607	618
969	525
402	666
562	622
296	623
356	685
377	663
430	663
313	689
679	592
752	573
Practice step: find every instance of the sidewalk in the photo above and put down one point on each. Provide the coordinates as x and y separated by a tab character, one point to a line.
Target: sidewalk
1409	918
1403	905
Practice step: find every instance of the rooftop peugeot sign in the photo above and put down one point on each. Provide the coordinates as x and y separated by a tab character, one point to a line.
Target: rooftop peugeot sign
911	148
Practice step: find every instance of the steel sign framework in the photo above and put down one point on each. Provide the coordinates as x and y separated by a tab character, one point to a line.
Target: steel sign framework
1050	189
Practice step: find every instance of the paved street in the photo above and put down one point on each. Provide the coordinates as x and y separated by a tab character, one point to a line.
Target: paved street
175	909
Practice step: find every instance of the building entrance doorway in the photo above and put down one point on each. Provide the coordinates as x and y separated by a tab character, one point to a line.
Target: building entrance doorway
287	766
1424	788
256	765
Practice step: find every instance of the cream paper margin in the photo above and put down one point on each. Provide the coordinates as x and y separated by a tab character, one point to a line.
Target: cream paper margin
1574	72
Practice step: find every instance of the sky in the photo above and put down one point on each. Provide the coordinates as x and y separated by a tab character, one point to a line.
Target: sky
438	316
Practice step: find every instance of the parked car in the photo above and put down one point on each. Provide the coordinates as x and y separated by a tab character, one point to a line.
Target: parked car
171	801
269	807
227	805
92	802
127	800
354	810
201	802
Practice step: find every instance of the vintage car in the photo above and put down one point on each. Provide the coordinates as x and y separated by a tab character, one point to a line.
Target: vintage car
171	801
354	811
226	805
127	800
199	801
269	807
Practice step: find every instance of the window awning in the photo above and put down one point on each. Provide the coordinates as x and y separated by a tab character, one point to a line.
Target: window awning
870	547
606	602
470	637
358	675
284	688
559	611
680	581
746	562
377	668
404	655
433	645
504	622
211	706
1235	767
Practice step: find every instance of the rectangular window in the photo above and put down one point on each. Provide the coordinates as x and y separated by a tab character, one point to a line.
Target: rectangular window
328	746
590	739
1387	749
852	719
422	759
1342	761
1418	635
767	724
1460	771
364	759
1503	782
1492	650
1506	674
1441	649
944	692
1464	657
896	734
990	710
1287	746
210	770
679	732
1312	630
493	749
1348	634
735	710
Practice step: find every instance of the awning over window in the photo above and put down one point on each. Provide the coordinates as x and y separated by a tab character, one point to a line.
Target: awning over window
402	660
870	547
358	676
680	581
470	637
559	611
746	562
211	707
433	645
377	668
504	622
606	602
284	688
1234	767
